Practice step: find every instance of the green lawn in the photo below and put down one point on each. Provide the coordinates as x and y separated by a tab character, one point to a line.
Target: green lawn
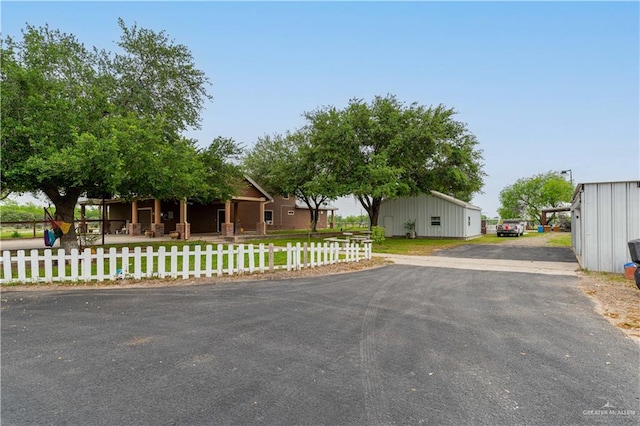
424	247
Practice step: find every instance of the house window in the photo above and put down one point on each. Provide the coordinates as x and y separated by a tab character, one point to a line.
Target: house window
469	220
435	220
285	196
268	217
291	212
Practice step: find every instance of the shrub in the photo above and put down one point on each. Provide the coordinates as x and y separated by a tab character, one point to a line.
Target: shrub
377	234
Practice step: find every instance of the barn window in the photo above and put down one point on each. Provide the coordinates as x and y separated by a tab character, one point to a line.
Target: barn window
469	220
285	196
291	212
435	220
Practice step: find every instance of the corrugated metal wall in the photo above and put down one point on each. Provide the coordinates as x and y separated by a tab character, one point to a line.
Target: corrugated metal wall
606	216
455	221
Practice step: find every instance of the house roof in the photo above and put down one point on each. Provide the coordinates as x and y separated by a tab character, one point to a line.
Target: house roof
454	200
325	206
259	188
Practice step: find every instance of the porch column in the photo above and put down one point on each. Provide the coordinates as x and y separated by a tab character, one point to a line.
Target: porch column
157	227
236	219
261	227
83	218
183	227
226	228
102	227
134	227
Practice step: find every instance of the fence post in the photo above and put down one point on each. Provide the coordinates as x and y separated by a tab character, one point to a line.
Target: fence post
149	270
271	258
124	261
185	262
137	263
230	249
86	265
197	261
305	258
173	258
240	259
220	260
62	265
289	249
298	264
100	264
252	260
35	266
21	263
208	261
162	265
6	265
74	264
261	258
48	266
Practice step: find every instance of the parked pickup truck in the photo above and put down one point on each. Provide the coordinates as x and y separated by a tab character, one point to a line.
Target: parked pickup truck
510	227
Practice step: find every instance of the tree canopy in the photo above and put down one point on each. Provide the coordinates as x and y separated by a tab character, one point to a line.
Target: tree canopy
79	121
386	149
527	197
289	164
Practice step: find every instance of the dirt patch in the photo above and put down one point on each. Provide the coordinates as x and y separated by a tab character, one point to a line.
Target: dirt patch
615	298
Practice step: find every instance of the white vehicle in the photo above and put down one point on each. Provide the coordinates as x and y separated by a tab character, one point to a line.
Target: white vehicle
510	227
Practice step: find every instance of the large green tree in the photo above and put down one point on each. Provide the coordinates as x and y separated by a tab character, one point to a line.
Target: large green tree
289	164
386	149
86	121
527	197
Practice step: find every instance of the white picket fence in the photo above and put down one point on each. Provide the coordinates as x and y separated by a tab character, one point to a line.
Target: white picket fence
100	265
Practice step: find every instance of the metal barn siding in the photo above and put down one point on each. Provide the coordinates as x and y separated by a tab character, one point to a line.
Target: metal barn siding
457	218
605	216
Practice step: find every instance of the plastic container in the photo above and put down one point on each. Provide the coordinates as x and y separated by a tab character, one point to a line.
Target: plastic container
634	250
630	270
540	229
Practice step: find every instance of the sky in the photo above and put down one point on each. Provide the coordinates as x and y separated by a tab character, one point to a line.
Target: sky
544	86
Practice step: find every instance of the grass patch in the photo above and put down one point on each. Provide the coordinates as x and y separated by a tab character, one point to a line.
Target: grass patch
425	247
560	240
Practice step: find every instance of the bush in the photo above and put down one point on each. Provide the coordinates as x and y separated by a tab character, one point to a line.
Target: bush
377	234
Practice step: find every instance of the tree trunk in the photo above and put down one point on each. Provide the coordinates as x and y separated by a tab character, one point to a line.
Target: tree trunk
65	209
375	211
314	221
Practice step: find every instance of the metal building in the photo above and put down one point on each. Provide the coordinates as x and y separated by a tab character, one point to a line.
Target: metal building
436	216
604	217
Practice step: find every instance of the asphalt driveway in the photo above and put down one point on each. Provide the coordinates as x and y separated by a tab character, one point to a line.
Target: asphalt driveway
507	252
394	345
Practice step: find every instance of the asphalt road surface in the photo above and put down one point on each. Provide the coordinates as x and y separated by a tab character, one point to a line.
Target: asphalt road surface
394	345
496	251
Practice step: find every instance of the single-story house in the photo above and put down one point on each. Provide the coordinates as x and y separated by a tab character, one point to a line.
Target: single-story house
252	210
287	212
436	215
605	216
